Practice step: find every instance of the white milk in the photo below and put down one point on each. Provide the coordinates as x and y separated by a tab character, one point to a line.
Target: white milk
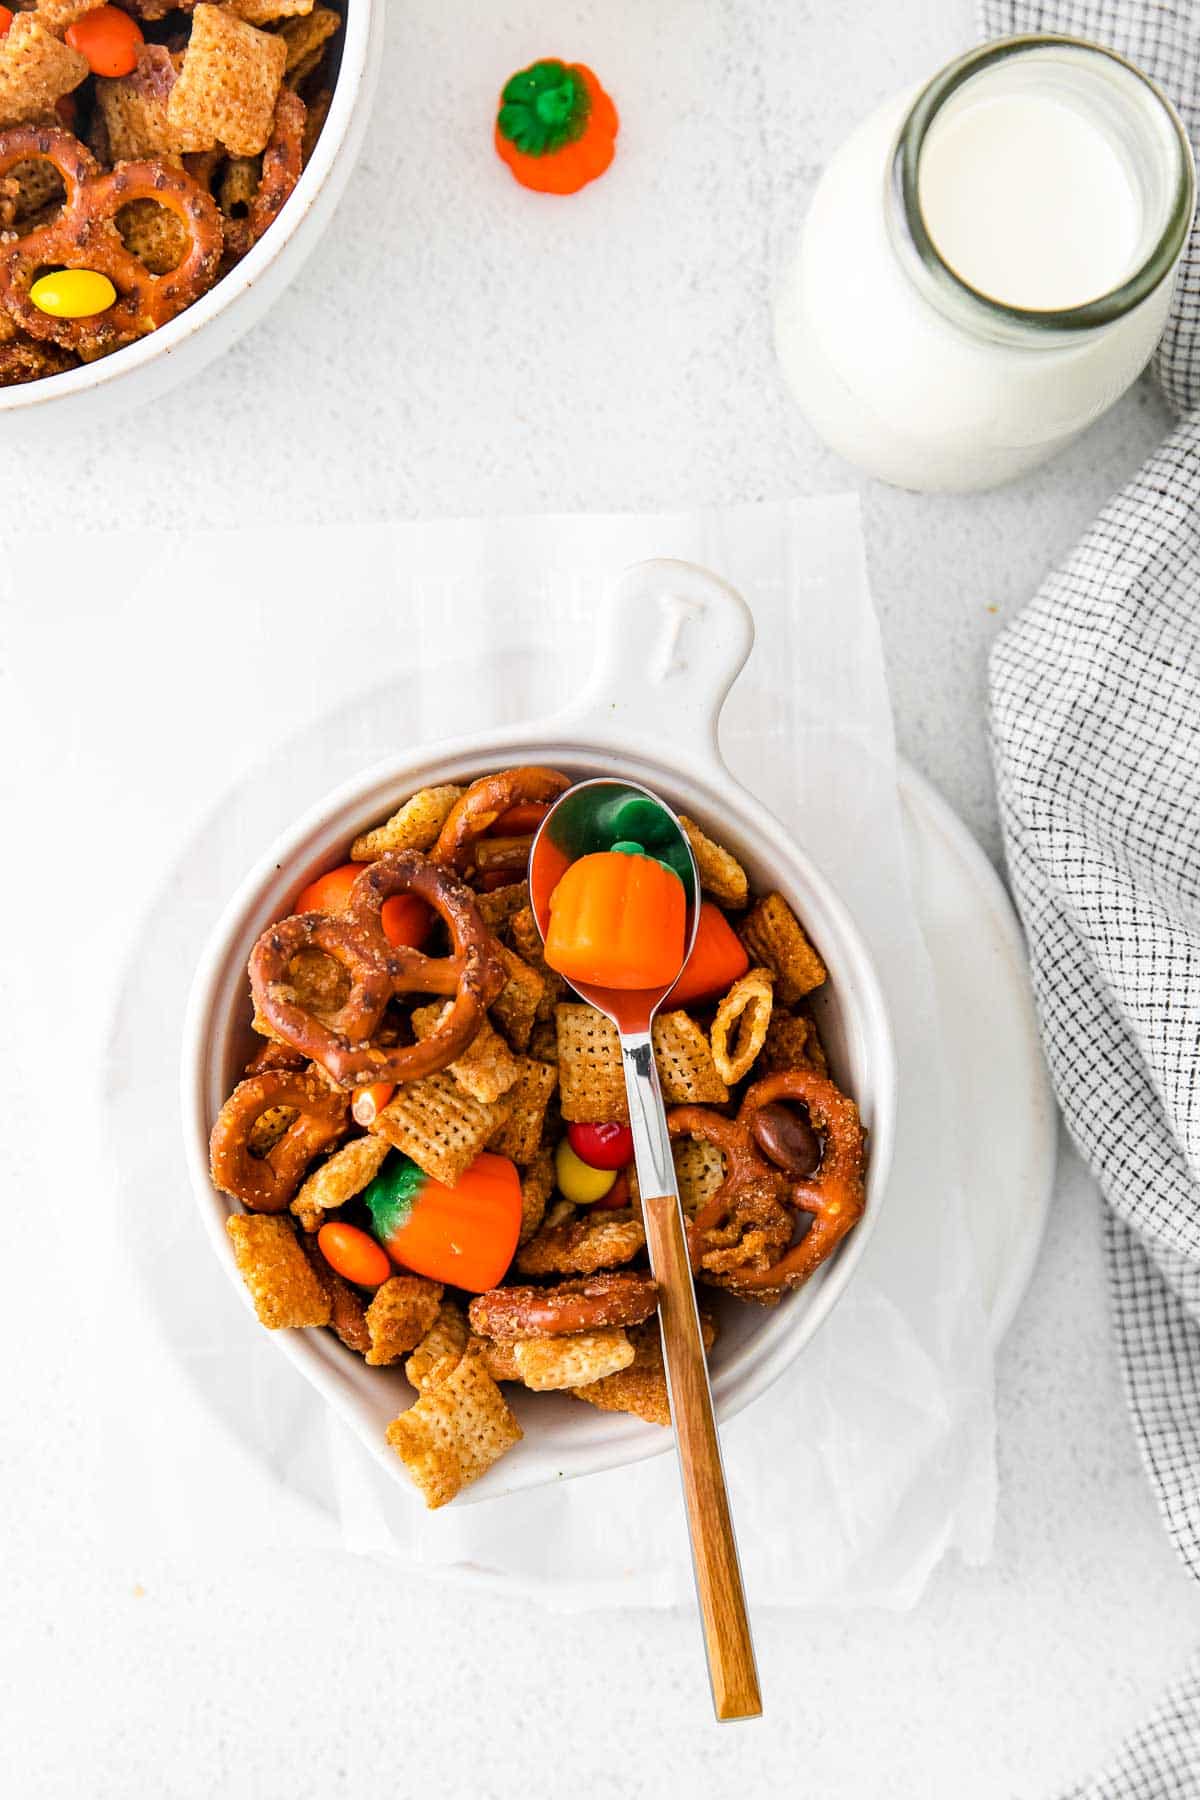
935	340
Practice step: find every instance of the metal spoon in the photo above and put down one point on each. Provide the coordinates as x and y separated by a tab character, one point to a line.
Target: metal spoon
560	839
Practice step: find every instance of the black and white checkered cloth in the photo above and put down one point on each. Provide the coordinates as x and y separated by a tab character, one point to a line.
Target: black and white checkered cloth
1096	734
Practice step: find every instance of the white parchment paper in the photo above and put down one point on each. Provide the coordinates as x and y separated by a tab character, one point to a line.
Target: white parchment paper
187	696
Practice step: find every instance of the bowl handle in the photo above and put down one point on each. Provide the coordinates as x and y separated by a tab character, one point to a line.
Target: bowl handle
673	640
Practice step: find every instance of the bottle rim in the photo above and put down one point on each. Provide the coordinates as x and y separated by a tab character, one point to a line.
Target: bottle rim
950	291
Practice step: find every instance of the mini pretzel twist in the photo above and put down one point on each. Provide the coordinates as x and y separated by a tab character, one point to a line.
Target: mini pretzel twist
835	1194
268	1183
741	1238
511	1315
84	235
342	1044
483	803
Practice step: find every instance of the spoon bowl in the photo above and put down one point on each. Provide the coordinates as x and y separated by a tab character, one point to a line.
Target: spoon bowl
567	828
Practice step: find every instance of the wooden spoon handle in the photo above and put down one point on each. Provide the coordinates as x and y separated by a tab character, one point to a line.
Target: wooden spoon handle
719	1588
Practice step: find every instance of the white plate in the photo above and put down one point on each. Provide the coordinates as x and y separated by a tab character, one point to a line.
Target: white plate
993	1050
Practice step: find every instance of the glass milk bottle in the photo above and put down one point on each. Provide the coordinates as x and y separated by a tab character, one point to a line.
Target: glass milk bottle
987	266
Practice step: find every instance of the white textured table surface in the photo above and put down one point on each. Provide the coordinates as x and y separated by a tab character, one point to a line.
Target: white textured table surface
457	347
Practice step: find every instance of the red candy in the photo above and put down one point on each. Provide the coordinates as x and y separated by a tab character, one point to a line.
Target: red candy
617	1195
602	1146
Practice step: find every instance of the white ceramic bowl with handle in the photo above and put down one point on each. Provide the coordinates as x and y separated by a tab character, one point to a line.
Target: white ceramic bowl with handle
673	642
147	369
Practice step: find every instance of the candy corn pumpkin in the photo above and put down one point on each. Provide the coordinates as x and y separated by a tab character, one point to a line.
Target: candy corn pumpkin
556	128
618	921
465	1235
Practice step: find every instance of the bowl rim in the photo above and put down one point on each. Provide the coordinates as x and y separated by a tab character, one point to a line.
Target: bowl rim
134	358
614	1440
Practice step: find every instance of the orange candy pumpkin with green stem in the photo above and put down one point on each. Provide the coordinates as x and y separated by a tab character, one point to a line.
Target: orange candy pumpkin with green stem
464	1236
556	128
618	921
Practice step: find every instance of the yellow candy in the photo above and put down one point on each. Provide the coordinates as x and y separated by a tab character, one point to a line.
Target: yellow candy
73	293
577	1180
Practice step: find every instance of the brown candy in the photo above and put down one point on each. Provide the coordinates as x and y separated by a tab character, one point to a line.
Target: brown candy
787	1138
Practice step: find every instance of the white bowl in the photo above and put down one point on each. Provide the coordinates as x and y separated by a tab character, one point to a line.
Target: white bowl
674	640
145	370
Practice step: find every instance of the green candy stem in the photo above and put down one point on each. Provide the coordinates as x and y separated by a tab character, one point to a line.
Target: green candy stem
543	107
391	1196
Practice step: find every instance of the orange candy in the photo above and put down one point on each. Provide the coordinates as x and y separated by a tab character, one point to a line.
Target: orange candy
617	921
465	1235
369	1102
405	919
521	820
109	39
328	893
566	170
6	19
718	958
354	1254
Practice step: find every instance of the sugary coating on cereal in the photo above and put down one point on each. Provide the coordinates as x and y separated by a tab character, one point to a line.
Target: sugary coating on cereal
284	1286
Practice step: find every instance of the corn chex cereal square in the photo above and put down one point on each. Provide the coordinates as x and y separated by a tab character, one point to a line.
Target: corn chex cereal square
487	1068
537	1185
591	1077
403	1310
499	1360
568	1362
157	237
133	110
454	1432
641	1388
306	39
699	1170
543	1040
721	874
57	15
229	82
527	942
441	1349
415	826
685	1062
36	69
792	1042
774	936
517	1007
346	1173
600	1238
28	187
520	1136
442	1128
239	183
265	12
498	907
283	1285
268	1128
